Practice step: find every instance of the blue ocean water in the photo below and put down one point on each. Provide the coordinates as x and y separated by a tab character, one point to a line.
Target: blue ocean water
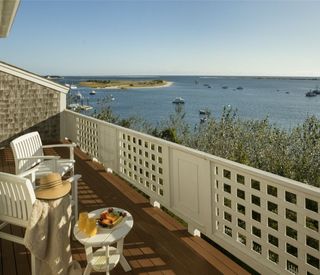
282	100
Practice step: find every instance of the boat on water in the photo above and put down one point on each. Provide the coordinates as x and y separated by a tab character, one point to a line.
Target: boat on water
224	87
77	107
311	94
316	91
71	86
203	119
86	107
239	88
204	112
178	100
93	92
79	95
74	106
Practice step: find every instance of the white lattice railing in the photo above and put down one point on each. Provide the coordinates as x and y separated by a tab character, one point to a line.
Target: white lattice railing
269	222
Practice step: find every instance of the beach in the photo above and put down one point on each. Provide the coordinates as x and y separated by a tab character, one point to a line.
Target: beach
167	84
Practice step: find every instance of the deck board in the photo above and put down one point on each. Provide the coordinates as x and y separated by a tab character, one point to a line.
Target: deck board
157	244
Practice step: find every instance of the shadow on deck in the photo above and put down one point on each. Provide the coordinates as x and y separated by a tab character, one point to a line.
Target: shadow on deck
157	244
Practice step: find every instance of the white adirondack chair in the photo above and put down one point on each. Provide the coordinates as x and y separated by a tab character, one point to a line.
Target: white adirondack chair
16	200
28	152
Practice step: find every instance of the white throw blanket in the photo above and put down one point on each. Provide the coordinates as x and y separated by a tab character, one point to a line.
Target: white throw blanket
48	237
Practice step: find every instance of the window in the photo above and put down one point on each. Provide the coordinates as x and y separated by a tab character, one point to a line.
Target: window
228	231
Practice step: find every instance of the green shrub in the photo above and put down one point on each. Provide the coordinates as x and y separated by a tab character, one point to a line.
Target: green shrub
291	153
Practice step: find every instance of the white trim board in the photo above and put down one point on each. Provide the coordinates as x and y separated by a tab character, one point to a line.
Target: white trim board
32	77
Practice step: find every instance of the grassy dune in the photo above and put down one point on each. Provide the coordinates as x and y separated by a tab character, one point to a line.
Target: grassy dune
123	84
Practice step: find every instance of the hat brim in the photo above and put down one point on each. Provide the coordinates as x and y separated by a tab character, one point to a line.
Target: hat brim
55	192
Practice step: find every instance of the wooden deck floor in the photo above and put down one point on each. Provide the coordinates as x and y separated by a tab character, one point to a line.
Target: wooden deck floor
157	244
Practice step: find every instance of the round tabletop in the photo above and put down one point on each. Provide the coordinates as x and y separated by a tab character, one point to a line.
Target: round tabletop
105	236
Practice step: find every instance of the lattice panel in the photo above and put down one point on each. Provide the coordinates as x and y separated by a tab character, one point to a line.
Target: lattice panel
274	223
141	160
87	136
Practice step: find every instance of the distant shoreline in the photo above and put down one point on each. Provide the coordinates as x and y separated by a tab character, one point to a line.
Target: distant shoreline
167	84
124	85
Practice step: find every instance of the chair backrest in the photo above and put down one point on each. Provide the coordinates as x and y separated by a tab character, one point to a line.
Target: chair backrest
16	199
27	145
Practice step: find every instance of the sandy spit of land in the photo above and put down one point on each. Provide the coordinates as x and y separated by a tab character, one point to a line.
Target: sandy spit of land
167	84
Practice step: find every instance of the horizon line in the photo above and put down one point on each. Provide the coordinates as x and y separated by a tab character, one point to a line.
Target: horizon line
192	75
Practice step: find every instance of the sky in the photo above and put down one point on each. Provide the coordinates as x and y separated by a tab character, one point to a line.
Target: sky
165	37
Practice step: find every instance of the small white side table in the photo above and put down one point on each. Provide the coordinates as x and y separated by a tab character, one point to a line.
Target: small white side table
107	257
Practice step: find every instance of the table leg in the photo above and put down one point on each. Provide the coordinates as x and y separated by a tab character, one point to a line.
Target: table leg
88	269
107	259
124	263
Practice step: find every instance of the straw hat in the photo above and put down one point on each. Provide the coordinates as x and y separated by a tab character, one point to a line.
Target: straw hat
52	187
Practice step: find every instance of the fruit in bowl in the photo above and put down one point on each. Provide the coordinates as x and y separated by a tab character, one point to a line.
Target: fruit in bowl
110	218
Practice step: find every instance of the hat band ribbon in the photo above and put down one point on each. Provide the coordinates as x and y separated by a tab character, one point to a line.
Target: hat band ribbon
50	185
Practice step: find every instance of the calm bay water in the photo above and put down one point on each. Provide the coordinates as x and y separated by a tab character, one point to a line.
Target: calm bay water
283	100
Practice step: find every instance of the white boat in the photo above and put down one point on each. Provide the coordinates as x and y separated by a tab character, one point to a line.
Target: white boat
74	106
178	100
93	92
85	107
79	95
204	112
71	86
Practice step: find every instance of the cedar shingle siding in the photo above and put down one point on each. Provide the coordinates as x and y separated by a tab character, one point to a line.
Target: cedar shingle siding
27	106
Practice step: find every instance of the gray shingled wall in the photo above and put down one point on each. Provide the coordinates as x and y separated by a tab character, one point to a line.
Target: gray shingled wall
27	106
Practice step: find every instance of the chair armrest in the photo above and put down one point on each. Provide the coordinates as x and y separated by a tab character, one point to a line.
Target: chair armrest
70	146
31	175
59	145
29	172
74	178
74	193
39	157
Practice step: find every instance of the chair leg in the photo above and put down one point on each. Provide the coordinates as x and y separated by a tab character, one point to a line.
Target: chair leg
33	265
